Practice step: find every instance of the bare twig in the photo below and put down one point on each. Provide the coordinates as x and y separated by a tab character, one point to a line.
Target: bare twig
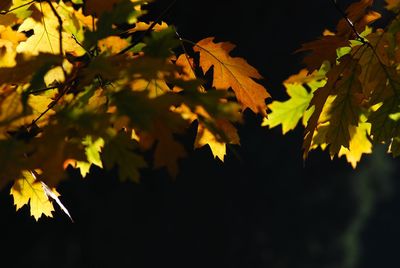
349	22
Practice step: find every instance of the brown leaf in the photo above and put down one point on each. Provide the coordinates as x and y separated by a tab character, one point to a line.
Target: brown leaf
168	150
322	49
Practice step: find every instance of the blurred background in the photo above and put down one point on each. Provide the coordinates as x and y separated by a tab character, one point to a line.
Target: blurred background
263	207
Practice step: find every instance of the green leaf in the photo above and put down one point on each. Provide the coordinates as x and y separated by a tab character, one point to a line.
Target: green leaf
300	89
383	124
92	151
288	113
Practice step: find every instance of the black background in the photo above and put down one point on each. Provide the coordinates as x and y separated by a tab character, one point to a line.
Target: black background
263	207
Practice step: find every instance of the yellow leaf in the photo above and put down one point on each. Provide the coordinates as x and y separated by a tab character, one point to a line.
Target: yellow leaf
187	72
359	144
46	35
143	26
155	87
9	39
217	144
28	189
233	73
113	44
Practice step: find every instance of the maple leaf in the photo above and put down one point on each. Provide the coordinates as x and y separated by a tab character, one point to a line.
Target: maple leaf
9	40
26	66
161	43
143	26
50	159
119	152
168	150
12	157
187	65
233	73
92	151
217	143
123	12
28	189
46	36
155	87
21	8
113	44
11	107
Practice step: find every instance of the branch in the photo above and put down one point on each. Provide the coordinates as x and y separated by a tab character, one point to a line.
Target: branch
349	22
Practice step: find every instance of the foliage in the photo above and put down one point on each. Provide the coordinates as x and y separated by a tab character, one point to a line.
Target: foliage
348	96
86	83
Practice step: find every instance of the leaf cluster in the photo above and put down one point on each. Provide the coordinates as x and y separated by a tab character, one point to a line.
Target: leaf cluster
348	96
87	83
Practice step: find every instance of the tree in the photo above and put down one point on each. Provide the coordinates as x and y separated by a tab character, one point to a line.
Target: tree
85	84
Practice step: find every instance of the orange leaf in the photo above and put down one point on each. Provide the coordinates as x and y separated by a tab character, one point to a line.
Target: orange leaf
233	73
325	48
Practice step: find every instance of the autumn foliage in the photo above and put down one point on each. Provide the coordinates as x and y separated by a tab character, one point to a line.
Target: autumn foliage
348	96
88	83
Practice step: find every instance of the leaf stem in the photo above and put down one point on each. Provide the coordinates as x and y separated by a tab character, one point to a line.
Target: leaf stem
43	89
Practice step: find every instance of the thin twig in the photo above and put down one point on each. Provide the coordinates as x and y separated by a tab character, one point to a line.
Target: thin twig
43	89
52	104
349	22
181	41
15	8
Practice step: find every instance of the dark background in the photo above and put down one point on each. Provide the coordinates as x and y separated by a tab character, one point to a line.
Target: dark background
263	207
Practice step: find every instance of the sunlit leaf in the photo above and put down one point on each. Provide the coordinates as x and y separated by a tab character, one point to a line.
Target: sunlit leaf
232	72
28	189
